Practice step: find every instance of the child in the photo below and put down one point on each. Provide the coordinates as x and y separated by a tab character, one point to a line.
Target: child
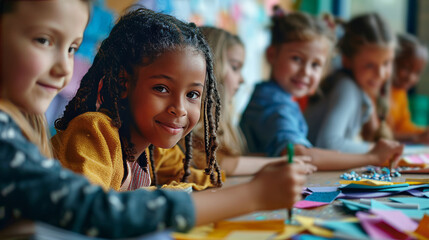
300	48
34	186
410	61
336	120
229	55
100	135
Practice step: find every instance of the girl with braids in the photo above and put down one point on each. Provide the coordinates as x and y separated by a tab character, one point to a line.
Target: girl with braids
34	186
351	93
126	104
228	50
300	48
410	61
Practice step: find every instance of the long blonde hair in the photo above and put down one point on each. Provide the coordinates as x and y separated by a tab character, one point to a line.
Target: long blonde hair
33	126
230	138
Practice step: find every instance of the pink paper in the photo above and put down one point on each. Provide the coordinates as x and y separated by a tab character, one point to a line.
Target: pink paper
309	204
396	219
376	228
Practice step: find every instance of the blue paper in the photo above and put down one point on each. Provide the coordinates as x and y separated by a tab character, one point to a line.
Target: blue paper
352	186
323	196
354	206
352	230
379	205
423	202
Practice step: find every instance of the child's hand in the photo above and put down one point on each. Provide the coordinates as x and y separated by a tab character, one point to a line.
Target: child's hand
306	161
387	152
279	185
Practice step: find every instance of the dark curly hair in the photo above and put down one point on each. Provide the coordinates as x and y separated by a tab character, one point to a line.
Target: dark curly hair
138	39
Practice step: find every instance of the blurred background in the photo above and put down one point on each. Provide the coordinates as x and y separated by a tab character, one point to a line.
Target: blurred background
250	19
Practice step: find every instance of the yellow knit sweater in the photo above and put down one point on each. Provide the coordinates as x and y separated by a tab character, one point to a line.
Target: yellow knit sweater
90	146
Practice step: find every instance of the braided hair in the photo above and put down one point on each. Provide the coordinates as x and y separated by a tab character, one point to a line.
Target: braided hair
137	40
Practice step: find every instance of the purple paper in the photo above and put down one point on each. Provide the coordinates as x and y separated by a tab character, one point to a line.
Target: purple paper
377	228
323	189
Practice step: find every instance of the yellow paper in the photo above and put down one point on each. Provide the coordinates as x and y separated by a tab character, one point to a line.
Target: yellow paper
417	180
369	182
250	235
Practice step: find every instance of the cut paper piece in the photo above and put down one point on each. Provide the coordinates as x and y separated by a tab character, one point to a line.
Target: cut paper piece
423	228
415	214
354	206
419	180
378	205
423	202
377	228
416	193
406	188
392	204
367	194
289	231
368	182
270	225
322	189
344	229
396	219
309	224
309	204
308	237
251	235
360	186
326	197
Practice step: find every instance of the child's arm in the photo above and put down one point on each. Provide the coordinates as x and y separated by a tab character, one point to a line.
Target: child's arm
249	165
327	160
278	185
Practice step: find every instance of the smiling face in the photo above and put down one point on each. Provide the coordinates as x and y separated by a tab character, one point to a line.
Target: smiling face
166	99
233	65
372	67
409	69
298	66
38	42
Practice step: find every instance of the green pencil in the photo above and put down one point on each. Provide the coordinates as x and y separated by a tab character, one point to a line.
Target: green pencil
290	153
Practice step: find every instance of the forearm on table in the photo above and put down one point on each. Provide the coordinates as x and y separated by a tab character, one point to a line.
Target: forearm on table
224	203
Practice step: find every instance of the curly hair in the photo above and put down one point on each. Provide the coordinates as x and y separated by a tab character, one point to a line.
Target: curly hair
137	40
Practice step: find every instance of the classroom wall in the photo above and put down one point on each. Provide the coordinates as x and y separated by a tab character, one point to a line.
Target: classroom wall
423	34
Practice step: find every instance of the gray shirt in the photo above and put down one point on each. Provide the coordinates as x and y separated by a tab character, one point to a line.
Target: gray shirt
335	121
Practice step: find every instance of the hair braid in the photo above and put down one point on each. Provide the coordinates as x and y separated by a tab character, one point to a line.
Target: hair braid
188	157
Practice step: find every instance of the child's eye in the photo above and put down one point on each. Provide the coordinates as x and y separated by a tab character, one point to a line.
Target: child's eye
160	89
315	65
296	58
193	95
43	41
73	49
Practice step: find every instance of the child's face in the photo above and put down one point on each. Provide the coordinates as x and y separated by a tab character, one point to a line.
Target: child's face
371	67
298	66
234	64
408	71
38	42
166	100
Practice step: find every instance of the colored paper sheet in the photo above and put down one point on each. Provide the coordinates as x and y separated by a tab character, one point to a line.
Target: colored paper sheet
423	228
416	192
366	187
289	231
354	206
323	189
419	180
309	224
396	219
406	188
251	235
309	204
308	237
377	228
343	228
379	205
423	202
367	194
268	225
326	197
415	214
368	182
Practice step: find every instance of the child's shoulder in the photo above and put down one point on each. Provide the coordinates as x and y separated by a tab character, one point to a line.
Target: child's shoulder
92	118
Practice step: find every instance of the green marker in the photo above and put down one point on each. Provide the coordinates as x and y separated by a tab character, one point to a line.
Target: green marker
290	153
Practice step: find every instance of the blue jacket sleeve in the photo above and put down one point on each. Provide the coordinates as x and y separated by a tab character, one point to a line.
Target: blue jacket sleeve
37	188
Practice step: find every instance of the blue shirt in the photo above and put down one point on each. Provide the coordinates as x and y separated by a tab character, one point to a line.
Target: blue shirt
272	119
37	188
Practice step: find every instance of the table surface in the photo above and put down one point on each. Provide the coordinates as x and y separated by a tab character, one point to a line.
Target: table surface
333	211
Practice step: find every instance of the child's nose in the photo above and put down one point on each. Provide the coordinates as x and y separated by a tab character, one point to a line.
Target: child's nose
63	65
177	108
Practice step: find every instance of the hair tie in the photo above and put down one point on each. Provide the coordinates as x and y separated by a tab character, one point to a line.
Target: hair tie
329	20
278	11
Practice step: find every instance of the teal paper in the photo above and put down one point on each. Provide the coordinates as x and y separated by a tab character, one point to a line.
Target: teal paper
423	202
354	206
351	229
379	205
359	186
